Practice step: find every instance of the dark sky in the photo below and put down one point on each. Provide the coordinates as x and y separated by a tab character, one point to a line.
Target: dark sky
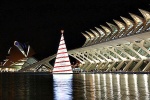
39	23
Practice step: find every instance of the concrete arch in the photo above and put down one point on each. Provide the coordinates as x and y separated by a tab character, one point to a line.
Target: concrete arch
114	30
121	27
96	36
87	39
103	34
107	31
129	25
138	23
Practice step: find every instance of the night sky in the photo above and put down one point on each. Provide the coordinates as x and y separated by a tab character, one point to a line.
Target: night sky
39	23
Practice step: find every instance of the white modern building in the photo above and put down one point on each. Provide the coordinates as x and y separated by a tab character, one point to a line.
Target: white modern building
123	46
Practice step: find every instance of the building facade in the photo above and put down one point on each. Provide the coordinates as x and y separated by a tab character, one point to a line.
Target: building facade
123	46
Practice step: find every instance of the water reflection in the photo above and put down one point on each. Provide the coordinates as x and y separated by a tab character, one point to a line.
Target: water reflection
134	86
145	81
125	86
25	86
84	86
74	86
144	86
62	84
97	86
104	87
115	86
110	86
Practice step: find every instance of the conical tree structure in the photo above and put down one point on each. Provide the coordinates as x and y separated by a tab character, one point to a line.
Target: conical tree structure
62	62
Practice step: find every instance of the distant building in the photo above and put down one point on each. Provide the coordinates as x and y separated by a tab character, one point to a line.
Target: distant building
17	55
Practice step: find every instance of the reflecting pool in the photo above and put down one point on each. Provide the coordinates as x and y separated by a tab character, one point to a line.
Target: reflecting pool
46	86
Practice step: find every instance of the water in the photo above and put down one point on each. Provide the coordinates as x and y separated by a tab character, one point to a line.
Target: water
44	86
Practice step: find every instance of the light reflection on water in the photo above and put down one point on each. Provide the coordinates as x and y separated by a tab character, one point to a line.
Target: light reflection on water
125	86
25	86
115	86
62	86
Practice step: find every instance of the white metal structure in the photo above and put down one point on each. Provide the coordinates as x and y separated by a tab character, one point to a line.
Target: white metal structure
120	47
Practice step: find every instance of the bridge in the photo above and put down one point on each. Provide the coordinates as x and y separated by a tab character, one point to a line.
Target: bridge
123	46
35	67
